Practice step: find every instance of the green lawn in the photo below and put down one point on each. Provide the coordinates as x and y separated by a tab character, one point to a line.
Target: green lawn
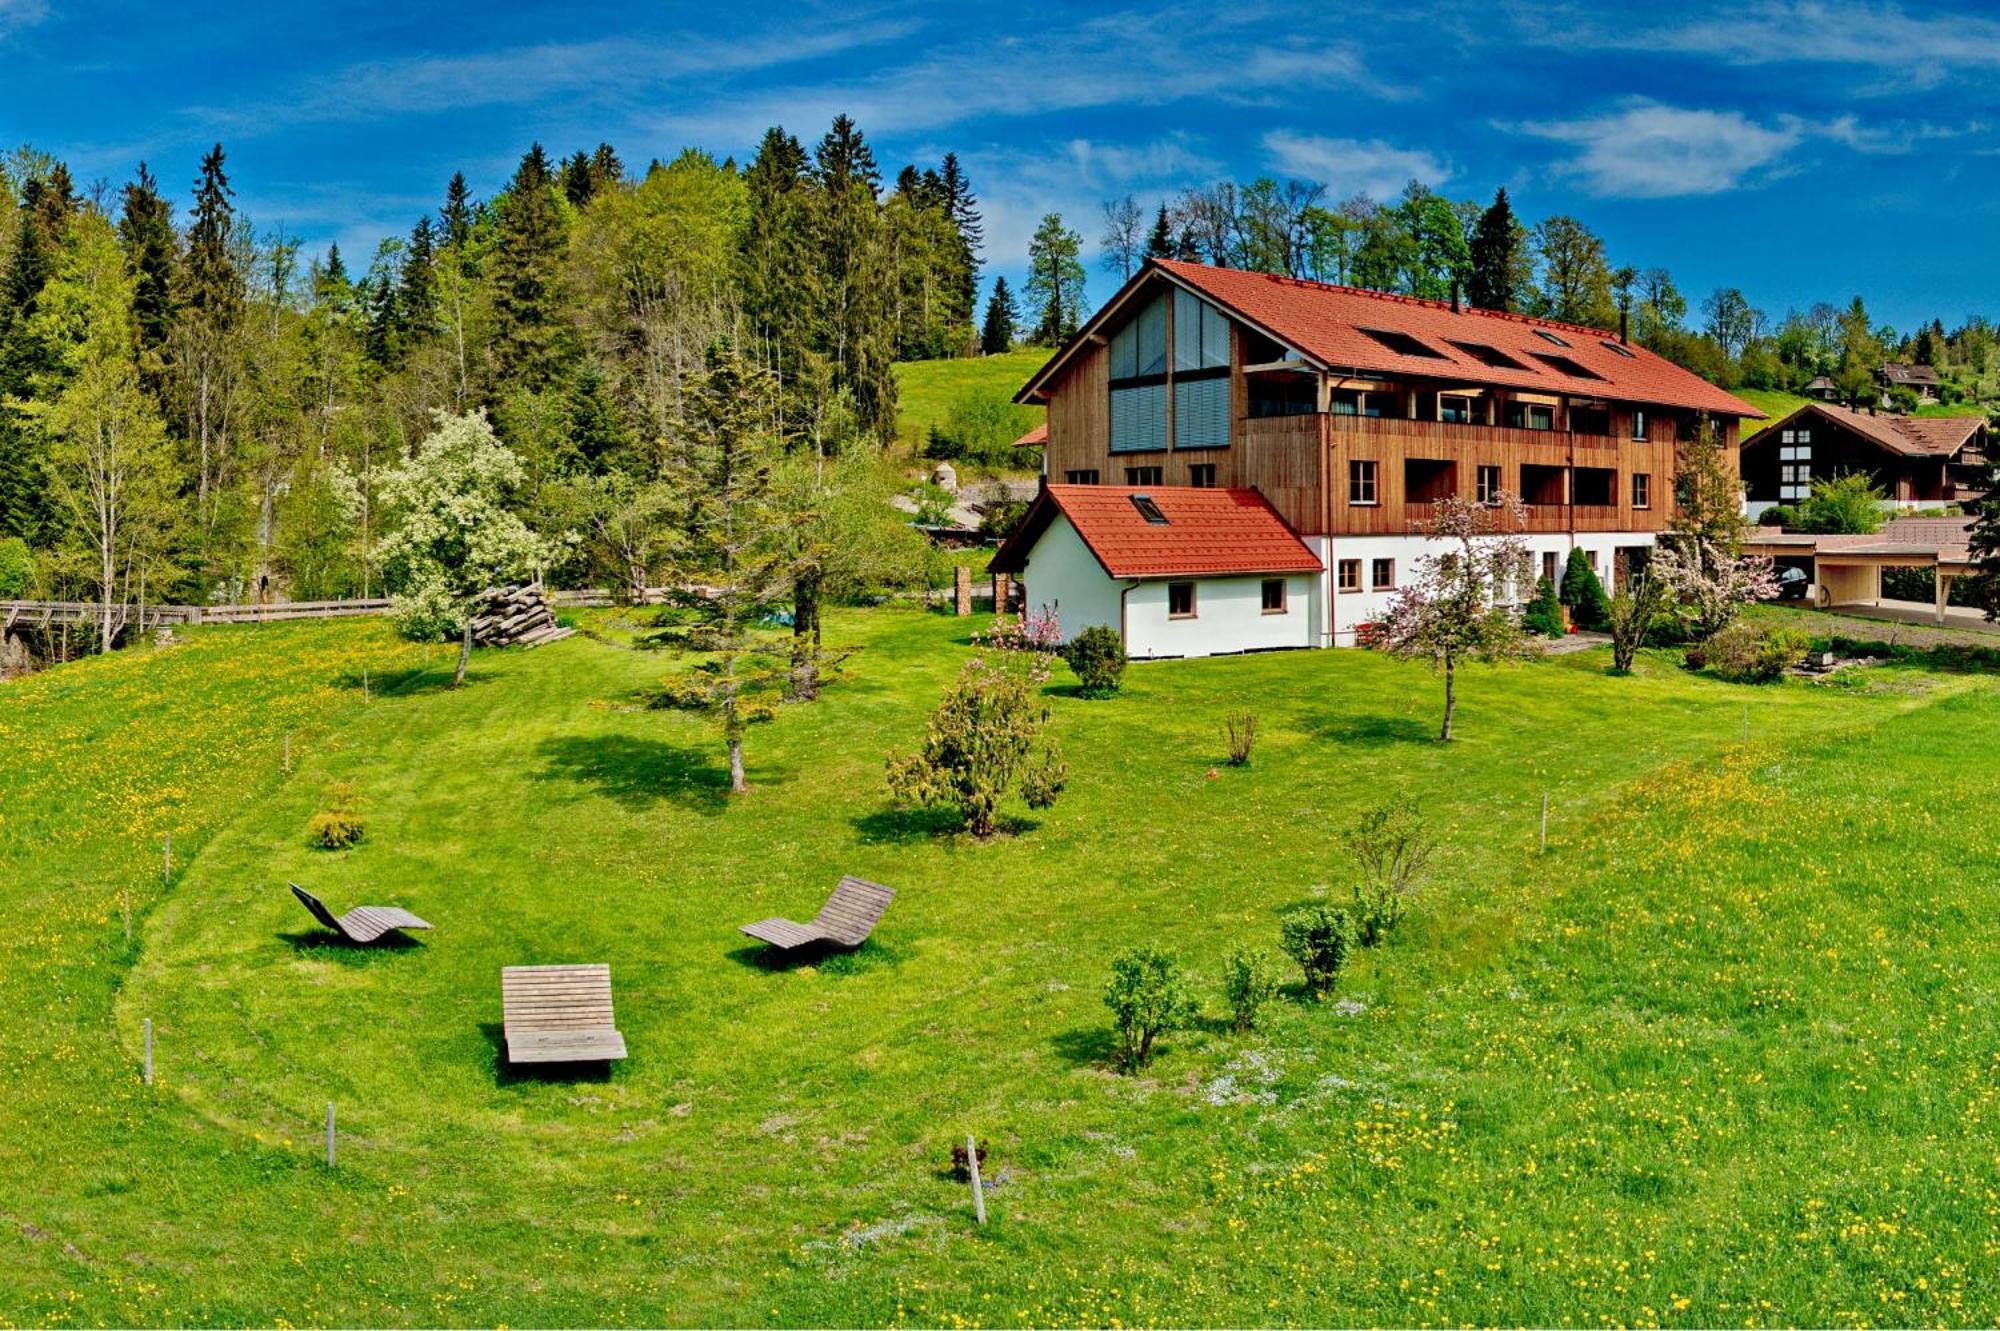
1725	1054
1775	403
926	390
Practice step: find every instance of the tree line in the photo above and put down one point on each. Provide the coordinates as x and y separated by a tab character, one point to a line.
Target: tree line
195	408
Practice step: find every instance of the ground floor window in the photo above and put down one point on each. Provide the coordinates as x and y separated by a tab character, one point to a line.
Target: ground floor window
1087	476
1549	565
1180	600
1142	475
1350	575
1382	576
1202	475
1274	596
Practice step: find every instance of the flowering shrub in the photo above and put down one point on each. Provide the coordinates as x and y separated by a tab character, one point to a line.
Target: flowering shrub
981	743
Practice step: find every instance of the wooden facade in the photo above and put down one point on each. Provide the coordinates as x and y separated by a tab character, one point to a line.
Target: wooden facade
1573	481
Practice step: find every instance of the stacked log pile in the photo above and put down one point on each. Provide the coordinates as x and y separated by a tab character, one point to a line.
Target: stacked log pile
516	617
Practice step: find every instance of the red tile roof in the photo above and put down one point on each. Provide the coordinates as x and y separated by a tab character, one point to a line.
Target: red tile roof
1905	436
1207	532
1034	438
1327	324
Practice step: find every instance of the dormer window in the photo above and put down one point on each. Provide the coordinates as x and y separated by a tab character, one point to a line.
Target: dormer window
1402	343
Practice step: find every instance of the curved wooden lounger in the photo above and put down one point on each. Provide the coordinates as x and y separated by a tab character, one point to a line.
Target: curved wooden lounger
363	924
848	917
559	1014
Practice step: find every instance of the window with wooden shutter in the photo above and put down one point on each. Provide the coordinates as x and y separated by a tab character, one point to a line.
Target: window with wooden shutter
1201	413
1138	418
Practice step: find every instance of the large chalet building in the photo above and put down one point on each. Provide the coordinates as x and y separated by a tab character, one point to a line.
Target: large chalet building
1916	462
1330	421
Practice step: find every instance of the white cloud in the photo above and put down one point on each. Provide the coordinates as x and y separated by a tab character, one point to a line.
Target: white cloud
1353	166
1647	150
18	14
1884	36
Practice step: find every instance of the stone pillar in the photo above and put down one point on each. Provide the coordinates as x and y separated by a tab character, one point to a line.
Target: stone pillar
1003	593
962	590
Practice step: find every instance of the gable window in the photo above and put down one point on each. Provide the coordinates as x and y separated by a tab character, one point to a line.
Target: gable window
1350	575
1202	475
1143	475
1639	423
1139	381
1180	600
1642	490
1382	575
1088	476
1489	485
1274	596
1201	373
1455	409
1361	481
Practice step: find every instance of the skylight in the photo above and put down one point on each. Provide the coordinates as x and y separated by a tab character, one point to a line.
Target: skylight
1149	510
1566	365
1486	355
1618	350
1547	336
1403	344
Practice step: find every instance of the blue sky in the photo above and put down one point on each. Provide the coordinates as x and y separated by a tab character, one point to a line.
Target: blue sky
1802	151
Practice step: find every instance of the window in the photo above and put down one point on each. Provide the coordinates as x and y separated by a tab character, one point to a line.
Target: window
1201	334
1805	436
1642	490
1402	343
1138	418
1531	416
1549	565
1361	481
1382	575
1143	475
1353	402
1277	394
1486	355
1274	596
1180	600
1085	477
1201	411
1202	475
1350	575
1489	485
1787	436
1638	423
1149	510
1139	381
1547	336
1590	420
1455	409
1567	366
1617	349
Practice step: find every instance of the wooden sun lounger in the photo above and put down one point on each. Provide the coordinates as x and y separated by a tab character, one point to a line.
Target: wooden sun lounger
848	917
363	924
559	1014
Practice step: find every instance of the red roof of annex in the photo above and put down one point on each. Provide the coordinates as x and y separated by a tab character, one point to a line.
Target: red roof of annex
1328	325
1207	532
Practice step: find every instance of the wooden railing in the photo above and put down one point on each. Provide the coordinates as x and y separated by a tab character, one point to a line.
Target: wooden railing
46	614
1540	519
1474	436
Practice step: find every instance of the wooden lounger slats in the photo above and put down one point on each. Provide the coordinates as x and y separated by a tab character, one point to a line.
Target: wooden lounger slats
363	924
848	918
559	1014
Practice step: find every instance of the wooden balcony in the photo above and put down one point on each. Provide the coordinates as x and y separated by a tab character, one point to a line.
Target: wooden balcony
1479	438
1540	519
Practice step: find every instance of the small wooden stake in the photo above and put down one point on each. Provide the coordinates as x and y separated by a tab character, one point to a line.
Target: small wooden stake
167	862
149	1051
1746	723
329	1134
288	753
1545	822
978	1191
364	684
125	898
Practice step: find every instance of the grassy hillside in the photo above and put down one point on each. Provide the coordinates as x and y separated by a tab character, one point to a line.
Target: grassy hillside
1719	1056
1775	403
928	391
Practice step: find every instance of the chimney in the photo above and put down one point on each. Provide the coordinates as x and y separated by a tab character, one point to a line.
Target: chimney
1624	326
1455	308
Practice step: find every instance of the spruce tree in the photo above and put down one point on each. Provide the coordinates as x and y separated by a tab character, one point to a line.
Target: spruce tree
963	210
857	333
605	168
526	271
211	303
457	213
146	230
418	297
1583	593
578	183
997	335
1160	240
1495	280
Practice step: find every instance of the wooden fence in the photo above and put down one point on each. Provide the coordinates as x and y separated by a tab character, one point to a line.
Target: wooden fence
16	615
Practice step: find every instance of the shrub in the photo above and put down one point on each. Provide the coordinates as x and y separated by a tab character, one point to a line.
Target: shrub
1000	517
1239	729
1319	938
1778	515
1097	655
1249	982
335	829
1848	504
981	743
1747	653
1583	593
17	568
1148	995
1392	850
1544	614
961	1162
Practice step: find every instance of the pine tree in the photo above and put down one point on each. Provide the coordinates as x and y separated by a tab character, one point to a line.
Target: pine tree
963	210
857	336
211	302
1160	240
526	272
1055	281
997	335
1497	242
605	168
1583	593
457	213
418	297
146	229
577	183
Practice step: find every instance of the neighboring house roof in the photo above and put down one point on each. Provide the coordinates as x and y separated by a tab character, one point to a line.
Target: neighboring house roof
1819	383
1034	438
1331	327
1905	436
1921	375
1206	532
1948	540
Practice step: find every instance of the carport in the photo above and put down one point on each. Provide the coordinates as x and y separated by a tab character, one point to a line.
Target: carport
1847	570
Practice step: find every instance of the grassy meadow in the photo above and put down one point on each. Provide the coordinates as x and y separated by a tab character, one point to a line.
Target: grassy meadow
1723	1055
928	390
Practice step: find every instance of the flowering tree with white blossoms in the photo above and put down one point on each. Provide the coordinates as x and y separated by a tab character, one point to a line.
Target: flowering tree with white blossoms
451	533
1453	609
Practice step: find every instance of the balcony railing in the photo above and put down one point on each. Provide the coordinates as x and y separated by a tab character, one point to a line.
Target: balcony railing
1539	518
1475	435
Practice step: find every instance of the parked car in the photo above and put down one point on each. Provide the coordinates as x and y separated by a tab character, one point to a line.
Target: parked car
1792	584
